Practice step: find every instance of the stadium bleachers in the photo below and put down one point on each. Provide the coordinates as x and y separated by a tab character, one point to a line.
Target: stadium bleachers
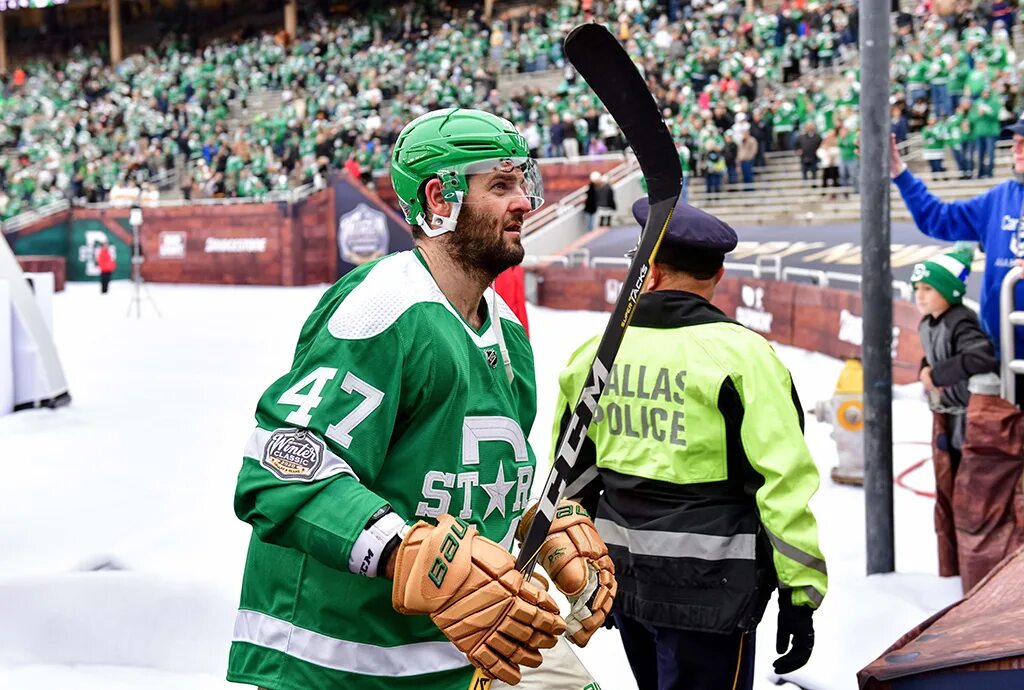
780	195
248	117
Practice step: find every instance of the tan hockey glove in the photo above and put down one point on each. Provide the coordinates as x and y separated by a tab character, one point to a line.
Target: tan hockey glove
576	558
470	588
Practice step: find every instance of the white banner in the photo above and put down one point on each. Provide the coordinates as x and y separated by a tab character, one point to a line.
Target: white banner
26	316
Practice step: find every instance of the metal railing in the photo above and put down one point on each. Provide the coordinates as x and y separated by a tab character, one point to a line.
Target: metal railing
819	277
574	200
1009	320
29	217
900	286
165	179
588	158
755	270
769	264
763	265
291	196
609	261
579	257
545	260
911	148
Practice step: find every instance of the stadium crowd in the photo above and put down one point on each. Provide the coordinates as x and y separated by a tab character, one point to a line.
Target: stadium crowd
733	84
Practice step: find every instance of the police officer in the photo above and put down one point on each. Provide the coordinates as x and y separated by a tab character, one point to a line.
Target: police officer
704	477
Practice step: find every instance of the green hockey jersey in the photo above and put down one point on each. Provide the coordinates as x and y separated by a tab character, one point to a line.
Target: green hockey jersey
392	399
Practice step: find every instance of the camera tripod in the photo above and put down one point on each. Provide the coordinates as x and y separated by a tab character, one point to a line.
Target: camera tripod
140	290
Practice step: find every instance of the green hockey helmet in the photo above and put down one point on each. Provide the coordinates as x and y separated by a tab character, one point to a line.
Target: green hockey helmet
451	145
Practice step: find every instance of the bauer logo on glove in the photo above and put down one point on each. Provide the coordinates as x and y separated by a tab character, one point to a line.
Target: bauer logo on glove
449	547
471	590
576	558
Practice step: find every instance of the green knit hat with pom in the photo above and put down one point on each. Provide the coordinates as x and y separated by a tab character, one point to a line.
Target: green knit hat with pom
947	272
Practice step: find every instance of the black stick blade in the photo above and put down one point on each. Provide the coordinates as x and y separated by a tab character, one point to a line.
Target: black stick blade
607	68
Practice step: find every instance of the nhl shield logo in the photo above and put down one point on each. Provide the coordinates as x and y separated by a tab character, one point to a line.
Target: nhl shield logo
492	358
362	235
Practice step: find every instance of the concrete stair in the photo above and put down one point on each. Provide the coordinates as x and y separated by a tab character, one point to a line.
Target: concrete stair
242	114
781	197
547	81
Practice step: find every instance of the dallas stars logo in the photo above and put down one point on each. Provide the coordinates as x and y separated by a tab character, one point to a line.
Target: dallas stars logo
486	466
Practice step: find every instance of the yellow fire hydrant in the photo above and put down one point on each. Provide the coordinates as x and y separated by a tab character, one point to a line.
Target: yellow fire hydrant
845	412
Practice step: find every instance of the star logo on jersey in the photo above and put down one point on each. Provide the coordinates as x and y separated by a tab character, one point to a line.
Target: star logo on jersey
497	491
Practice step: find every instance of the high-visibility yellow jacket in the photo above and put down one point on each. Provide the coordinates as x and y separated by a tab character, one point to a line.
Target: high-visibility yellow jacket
705	472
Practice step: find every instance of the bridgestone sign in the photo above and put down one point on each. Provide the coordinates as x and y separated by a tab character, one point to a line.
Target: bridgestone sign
235	245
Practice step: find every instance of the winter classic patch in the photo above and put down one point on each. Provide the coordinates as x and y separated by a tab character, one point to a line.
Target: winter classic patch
293	454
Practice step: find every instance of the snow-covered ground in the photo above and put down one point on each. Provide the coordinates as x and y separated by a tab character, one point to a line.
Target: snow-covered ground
120	557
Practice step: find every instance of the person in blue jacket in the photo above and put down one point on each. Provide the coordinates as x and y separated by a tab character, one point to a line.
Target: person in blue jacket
992	219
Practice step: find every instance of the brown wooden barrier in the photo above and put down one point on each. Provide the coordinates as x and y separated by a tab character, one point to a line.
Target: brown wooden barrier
766	307
272	243
57	265
826	320
238	244
316	246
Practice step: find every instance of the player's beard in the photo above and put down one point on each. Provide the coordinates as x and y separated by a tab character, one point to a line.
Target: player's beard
479	246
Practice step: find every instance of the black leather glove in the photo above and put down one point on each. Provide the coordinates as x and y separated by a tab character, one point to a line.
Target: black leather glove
794	624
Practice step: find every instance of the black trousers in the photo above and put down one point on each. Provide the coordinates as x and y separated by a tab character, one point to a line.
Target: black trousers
105	281
669	659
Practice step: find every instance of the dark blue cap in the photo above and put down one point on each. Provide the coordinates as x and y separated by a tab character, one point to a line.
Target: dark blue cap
1017	127
695	240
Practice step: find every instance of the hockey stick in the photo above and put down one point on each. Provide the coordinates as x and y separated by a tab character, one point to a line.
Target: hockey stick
608	69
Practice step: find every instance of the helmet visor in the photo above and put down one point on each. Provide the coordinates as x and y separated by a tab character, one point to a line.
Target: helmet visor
507	178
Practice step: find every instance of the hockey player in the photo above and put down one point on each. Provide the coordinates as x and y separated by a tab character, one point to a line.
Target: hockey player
389	468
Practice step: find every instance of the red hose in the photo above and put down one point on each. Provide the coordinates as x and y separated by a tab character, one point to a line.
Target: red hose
904	473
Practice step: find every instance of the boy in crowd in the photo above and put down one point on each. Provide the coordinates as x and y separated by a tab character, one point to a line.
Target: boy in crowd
955	350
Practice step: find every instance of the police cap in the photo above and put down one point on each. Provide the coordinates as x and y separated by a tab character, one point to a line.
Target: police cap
694	241
1017	127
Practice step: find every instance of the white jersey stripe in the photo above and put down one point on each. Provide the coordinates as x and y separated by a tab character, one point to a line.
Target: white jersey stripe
393	286
414	659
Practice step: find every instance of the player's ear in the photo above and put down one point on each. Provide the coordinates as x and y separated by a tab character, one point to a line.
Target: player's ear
654	279
435	203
